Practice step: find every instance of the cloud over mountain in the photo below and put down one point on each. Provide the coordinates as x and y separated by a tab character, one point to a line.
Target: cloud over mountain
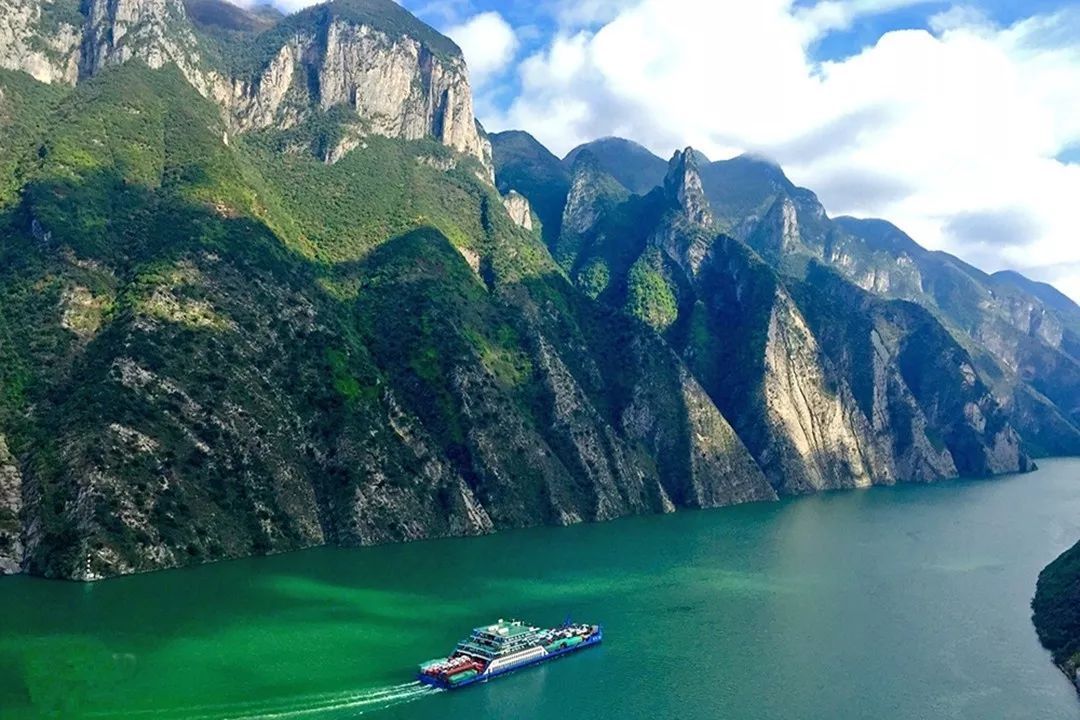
954	118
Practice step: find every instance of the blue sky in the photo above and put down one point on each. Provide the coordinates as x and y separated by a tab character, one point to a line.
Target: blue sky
866	31
541	19
959	121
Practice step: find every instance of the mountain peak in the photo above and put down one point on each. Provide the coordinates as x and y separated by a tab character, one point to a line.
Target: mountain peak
592	192
633	165
583	161
683	187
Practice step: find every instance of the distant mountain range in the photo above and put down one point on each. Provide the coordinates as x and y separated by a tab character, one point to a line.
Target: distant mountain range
265	283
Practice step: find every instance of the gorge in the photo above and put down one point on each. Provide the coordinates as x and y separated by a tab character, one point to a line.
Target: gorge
260	293
267	284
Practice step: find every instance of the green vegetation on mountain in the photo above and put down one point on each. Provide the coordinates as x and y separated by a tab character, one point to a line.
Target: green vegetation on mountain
1056	609
214	348
649	296
280	305
24	106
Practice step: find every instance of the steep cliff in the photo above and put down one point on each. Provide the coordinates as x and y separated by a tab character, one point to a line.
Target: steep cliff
258	292
11	550
212	364
1021	336
41	38
393	75
772	352
518	208
338	56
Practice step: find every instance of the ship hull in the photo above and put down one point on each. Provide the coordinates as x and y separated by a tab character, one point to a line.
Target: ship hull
436	682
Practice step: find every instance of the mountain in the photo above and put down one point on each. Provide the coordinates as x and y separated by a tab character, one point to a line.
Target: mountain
632	165
265	283
827	386
529	168
1056	608
221	337
1020	335
398	76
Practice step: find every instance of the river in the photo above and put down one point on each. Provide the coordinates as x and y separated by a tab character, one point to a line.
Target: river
905	603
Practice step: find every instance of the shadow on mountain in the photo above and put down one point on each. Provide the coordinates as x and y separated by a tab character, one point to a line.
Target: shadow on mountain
186	388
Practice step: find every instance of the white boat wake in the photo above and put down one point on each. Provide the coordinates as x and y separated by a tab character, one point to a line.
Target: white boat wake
323	706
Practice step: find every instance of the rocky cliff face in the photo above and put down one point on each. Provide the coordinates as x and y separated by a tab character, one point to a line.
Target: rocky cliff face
332	56
683	186
335	330
815	381
765	367
153	31
591	192
818	439
517	207
11	550
41	39
396	86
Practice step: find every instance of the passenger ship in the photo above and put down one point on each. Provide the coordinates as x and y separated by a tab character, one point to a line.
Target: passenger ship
503	647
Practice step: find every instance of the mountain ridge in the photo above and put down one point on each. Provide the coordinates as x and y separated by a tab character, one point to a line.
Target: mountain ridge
1025	348
251	310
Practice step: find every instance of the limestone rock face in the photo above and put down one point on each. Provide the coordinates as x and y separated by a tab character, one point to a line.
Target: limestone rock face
11	547
715	455
683	186
863	340
583	205
706	464
397	85
517	207
153	31
778	232
821	427
688	232
591	194
50	55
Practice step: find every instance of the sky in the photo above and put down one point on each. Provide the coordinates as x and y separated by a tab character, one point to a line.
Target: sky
958	121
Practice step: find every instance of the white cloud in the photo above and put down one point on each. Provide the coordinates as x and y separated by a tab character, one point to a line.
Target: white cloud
285	6
958	17
951	134
488	41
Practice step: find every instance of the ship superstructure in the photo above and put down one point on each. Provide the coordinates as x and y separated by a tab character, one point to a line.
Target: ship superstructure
504	646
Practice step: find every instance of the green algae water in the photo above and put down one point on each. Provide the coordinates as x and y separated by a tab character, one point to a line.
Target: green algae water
891	603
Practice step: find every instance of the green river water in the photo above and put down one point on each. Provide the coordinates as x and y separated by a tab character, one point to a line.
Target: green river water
887	604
